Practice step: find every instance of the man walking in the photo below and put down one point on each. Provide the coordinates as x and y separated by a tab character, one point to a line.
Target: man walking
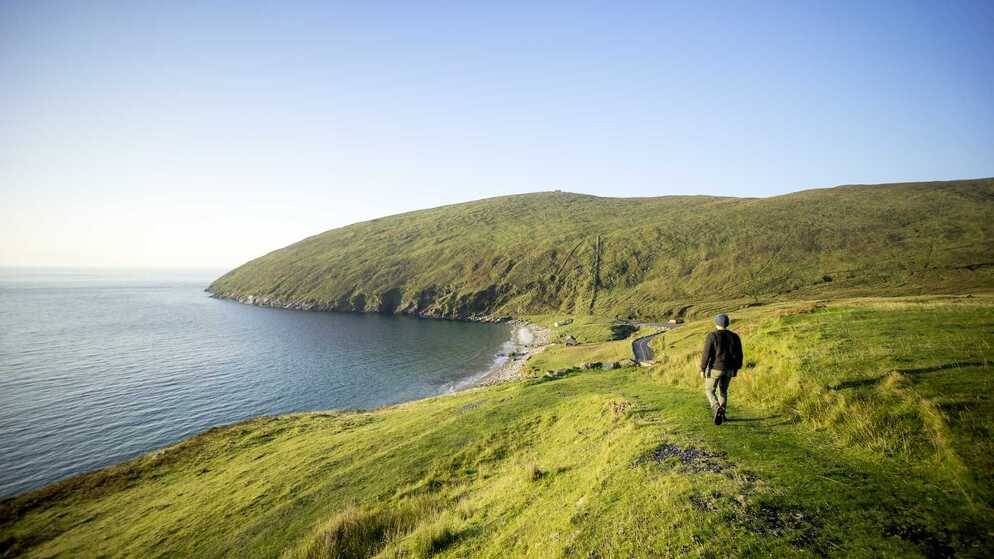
721	361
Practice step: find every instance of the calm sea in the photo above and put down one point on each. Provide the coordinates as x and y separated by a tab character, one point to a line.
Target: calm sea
97	367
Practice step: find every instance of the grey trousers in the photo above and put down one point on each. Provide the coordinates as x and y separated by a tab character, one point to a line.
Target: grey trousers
716	387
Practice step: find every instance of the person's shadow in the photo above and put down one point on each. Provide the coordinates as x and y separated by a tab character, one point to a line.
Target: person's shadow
749	419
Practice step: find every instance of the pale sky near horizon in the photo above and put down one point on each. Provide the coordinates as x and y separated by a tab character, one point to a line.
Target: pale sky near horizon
203	134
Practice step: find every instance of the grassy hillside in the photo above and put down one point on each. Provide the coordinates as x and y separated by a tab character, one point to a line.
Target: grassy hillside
637	257
859	428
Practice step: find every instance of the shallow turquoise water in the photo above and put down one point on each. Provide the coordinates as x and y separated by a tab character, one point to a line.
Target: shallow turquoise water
98	367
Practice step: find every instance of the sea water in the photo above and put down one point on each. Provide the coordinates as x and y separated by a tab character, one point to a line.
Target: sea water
99	366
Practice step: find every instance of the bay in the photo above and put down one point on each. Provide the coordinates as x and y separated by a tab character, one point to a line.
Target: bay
99	366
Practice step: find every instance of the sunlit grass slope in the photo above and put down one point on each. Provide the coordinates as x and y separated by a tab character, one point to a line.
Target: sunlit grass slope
638	257
859	428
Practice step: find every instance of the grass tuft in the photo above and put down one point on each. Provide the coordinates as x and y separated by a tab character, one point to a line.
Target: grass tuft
357	533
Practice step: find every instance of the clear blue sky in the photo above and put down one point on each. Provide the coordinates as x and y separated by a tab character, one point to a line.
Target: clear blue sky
168	134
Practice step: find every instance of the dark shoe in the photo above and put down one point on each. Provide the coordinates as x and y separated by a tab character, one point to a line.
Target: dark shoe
719	416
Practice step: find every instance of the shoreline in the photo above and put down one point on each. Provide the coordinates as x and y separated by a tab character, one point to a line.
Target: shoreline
527	339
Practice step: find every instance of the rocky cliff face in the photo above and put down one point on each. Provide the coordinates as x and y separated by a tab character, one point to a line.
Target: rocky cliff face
475	308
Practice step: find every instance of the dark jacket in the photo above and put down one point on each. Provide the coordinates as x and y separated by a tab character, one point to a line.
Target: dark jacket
722	351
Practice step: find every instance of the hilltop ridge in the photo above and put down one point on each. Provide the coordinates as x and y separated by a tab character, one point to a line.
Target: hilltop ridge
635	257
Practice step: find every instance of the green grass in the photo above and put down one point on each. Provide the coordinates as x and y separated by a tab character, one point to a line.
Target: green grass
902	377
601	340
558	357
859	428
555	252
585	329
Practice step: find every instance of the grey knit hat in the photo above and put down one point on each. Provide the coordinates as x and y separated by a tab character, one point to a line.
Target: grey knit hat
721	320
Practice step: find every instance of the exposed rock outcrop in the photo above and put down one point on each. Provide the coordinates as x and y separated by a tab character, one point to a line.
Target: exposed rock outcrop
426	304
